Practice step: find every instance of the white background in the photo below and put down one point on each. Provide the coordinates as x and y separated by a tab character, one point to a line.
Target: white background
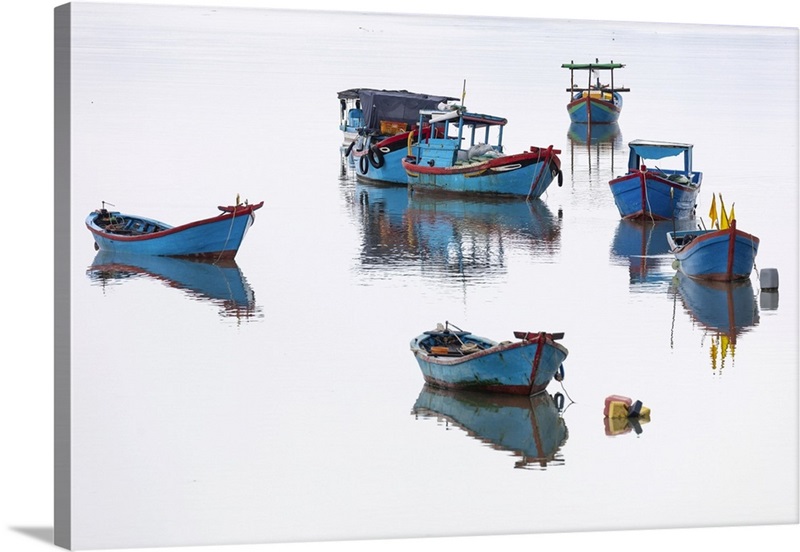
26	388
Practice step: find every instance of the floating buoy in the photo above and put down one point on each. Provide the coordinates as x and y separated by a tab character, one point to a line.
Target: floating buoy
623	415
617	406
676	264
768	278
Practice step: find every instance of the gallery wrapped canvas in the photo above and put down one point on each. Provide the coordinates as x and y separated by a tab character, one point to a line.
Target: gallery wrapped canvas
256	384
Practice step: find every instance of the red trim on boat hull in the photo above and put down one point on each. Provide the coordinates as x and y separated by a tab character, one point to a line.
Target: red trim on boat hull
731	248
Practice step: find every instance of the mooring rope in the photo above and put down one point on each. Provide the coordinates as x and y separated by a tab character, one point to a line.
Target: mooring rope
228	237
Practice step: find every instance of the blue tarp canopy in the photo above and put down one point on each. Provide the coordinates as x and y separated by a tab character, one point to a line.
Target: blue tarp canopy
658	150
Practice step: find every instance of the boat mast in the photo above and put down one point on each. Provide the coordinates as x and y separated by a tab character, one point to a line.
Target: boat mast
612	75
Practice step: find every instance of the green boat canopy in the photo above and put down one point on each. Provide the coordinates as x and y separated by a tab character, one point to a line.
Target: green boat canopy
587	66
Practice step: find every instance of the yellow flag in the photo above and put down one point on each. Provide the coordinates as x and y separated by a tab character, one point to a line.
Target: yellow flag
732	215
712	214
723	217
713	352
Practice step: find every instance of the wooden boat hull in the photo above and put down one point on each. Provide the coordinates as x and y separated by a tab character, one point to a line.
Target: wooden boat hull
531	428
520	368
720	255
214	238
643	194
526	174
595	109
381	162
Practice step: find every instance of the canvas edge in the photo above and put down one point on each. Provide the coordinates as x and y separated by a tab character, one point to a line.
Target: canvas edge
62	534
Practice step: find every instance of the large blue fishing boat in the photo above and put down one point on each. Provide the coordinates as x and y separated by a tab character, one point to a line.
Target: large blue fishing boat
376	124
655	193
597	103
464	154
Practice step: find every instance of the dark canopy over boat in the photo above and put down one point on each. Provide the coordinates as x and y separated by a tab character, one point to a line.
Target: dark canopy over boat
400	106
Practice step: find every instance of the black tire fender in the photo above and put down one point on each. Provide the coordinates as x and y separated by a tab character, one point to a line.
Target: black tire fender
375	157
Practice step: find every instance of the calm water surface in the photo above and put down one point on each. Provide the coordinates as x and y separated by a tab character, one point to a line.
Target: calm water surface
276	399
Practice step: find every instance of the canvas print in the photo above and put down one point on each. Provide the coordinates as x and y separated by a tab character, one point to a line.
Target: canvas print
332	276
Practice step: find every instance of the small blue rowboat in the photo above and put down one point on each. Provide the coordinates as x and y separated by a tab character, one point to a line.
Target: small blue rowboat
213	238
655	193
722	255
440	164
530	428
597	104
460	360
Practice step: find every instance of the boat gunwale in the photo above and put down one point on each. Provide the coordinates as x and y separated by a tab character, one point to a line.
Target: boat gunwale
608	103
652	175
705	236
416	347
486	165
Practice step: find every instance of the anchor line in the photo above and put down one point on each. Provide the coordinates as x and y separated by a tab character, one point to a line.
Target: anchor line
228	237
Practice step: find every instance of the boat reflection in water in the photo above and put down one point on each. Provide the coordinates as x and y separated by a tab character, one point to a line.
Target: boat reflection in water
530	427
460	237
724	310
221	283
643	247
620	426
592	151
582	133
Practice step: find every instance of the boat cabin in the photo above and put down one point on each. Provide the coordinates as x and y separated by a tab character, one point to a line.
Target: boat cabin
677	155
384	112
351	116
458	138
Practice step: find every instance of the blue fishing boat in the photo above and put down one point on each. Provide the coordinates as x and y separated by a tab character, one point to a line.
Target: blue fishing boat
529	428
724	254
220	283
456	359
443	163
597	103
654	193
214	238
376	124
